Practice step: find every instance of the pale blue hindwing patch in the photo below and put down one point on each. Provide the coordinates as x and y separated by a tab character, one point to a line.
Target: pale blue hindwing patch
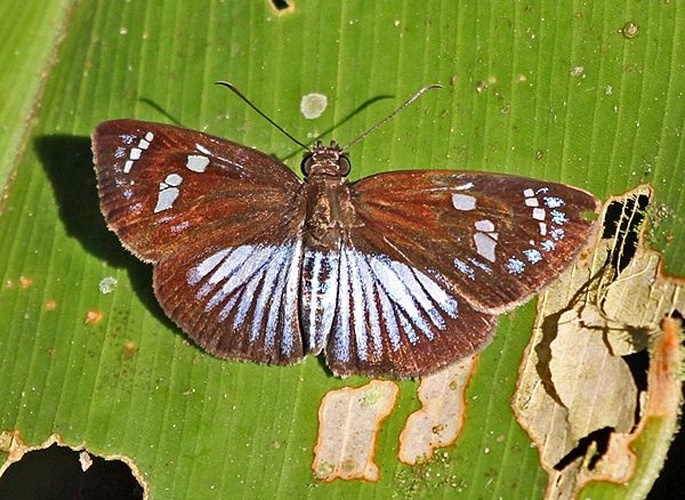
319	294
379	296
258	285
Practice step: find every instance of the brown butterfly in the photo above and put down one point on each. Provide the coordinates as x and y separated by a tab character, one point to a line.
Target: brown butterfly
399	273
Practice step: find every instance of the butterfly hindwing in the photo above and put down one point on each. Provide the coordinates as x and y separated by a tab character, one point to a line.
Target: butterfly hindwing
238	302
393	319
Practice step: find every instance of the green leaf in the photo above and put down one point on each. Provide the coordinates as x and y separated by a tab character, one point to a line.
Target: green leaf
200	427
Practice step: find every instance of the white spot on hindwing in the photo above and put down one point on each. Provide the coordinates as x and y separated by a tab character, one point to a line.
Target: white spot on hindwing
515	266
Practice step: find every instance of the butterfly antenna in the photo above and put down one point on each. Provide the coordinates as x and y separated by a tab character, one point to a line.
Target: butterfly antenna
392	115
237	92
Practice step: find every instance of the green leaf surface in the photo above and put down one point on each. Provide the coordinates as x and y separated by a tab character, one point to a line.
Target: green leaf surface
550	90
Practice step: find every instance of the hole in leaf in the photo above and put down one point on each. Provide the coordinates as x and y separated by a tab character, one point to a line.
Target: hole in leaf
280	5
623	221
593	447
61	472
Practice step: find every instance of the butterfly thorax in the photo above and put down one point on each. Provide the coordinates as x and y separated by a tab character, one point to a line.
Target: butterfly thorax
329	209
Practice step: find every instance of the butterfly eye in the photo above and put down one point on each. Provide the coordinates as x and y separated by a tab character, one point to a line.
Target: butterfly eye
337	164
344	164
307	162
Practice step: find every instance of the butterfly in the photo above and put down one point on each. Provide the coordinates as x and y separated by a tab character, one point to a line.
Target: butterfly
397	274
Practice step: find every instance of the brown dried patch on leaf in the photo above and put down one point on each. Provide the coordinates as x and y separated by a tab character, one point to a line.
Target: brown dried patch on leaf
663	402
576	395
93	317
595	387
441	416
349	420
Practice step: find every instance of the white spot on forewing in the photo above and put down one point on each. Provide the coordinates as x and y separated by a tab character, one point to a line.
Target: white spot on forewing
197	163
149	136
166	199
558	217
534	256
539	214
515	266
143	144
485	226
464	187
557	233
528	193
203	149
553	202
465	269
463	202
532	202
127	166
543	228
174	180
547	246
485	246
481	265
135	154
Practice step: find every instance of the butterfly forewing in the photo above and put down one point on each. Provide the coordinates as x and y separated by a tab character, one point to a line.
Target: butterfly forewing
162	187
496	239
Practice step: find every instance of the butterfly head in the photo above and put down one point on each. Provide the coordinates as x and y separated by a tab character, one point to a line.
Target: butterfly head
326	160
